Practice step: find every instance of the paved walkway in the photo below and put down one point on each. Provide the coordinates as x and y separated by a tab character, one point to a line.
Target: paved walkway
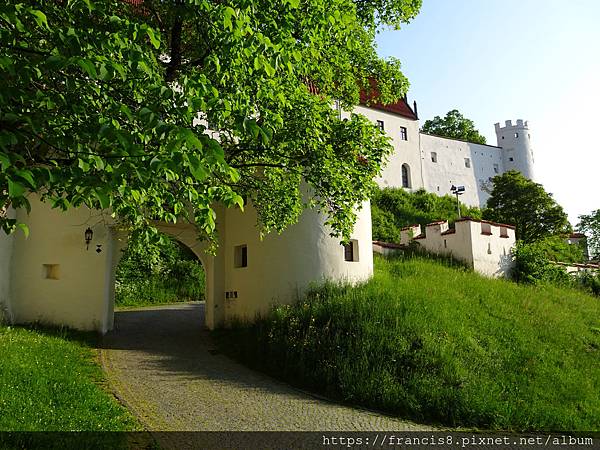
162	365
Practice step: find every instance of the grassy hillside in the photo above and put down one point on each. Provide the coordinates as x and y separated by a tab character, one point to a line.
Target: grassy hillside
49	381
437	343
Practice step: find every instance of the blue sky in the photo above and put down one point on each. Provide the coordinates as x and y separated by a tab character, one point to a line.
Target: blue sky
494	60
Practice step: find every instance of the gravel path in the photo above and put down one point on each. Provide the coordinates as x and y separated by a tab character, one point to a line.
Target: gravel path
161	363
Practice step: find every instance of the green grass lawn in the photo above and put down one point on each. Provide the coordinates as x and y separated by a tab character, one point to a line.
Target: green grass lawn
440	344
50	381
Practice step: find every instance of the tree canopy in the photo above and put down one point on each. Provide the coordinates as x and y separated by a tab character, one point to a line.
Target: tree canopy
590	225
160	110
454	125
517	200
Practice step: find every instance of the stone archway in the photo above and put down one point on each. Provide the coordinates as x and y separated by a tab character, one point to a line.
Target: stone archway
187	235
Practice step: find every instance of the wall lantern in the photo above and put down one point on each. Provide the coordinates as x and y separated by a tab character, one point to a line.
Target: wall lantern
89	234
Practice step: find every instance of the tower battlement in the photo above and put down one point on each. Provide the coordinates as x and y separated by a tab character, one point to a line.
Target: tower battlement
508	125
515	141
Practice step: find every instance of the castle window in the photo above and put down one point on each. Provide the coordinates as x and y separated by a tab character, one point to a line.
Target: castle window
380	125
496	170
511	159
351	251
405	176
240	256
467	162
403	134
433	157
516	135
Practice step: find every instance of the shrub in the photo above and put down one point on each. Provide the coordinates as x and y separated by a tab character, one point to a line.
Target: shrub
532	265
589	281
394	208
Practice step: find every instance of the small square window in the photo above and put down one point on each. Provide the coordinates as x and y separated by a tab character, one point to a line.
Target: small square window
516	135
380	125
351	251
467	162
403	134
511	159
240	256
52	271
433	157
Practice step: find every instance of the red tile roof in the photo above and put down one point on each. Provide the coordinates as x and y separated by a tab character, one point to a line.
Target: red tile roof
400	107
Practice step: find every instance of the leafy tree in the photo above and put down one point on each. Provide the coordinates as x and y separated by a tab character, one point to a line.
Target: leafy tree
516	200
590	225
107	104
454	125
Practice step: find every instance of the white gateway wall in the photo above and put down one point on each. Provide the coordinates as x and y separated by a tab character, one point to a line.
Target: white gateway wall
55	280
451	167
6	253
281	267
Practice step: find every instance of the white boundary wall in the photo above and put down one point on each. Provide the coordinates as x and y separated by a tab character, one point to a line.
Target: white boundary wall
484	246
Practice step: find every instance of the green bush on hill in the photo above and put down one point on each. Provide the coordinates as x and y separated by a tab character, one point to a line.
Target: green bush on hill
431	342
534	264
394	208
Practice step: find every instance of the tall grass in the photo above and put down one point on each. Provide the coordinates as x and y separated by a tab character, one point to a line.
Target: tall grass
431	342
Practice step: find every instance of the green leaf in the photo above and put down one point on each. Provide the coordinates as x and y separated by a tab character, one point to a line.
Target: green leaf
4	161
40	18
26	175
103	198
88	67
15	189
24	228
196	168
227	14
154	40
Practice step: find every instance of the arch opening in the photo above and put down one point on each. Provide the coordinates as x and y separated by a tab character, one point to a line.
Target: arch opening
156	273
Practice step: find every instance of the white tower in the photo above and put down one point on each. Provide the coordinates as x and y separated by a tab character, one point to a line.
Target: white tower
515	141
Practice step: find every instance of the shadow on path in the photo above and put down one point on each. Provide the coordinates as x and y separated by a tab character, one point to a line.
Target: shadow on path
162	364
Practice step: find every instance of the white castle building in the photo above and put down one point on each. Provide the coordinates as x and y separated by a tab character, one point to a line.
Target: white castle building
52	277
436	163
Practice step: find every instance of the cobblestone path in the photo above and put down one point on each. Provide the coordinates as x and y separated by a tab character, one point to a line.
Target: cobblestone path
161	363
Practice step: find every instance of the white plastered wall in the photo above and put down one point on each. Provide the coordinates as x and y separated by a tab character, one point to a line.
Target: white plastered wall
6	254
484	247
450	168
281	267
491	252
78	296
405	152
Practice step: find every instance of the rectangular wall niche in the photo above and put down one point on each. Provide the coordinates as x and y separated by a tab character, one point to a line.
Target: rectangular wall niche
351	251
240	256
51	271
